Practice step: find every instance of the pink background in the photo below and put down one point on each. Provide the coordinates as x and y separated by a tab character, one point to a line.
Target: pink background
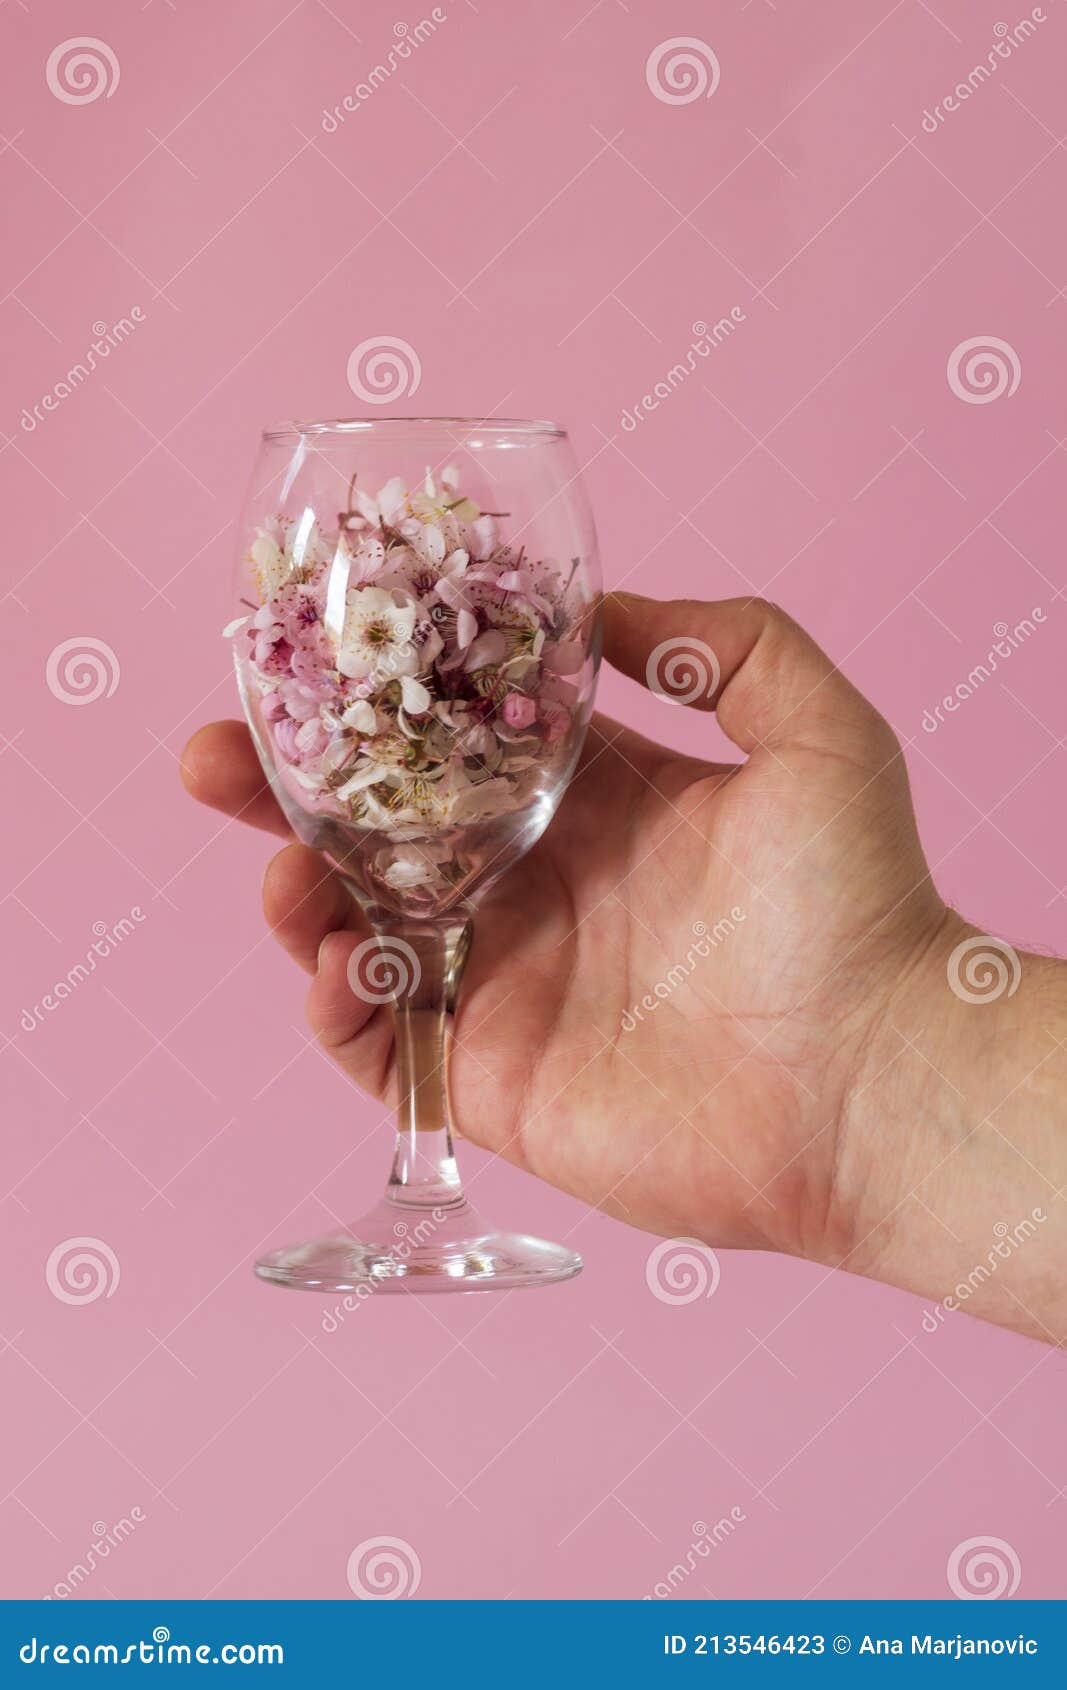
517	205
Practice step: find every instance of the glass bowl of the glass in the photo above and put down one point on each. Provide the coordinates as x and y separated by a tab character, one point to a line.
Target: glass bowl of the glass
415	639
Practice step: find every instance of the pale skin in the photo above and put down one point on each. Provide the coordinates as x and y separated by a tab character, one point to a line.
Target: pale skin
814	1086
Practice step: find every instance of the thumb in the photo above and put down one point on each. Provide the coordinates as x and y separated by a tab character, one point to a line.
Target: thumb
765	678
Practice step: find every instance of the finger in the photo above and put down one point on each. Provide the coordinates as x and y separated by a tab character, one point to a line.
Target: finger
354	1026
304	899
767	680
315	918
220	768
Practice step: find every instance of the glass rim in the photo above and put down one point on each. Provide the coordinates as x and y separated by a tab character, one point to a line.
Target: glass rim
342	426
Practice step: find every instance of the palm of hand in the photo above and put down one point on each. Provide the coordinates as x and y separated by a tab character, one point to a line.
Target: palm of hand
715	1113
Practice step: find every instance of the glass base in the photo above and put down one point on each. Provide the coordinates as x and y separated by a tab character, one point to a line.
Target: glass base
414	1248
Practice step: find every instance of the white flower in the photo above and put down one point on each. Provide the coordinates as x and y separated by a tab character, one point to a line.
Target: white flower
270	564
412	569
411	867
360	716
444	503
368	774
425	539
487	798
376	638
386	506
449	479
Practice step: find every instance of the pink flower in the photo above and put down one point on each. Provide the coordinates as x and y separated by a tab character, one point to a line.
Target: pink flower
265	641
301	701
285	739
366	561
307	666
295	609
272	654
519	710
312	739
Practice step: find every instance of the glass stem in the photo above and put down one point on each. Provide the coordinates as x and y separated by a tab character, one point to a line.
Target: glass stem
428	959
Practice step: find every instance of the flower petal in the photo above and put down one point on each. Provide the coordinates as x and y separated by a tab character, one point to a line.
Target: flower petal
391	499
431	543
487	648
360	716
414	694
483	538
365	776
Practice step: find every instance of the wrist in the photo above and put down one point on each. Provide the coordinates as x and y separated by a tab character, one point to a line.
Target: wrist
953	1141
883	1096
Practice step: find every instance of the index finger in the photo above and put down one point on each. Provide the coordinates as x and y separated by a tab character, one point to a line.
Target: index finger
220	768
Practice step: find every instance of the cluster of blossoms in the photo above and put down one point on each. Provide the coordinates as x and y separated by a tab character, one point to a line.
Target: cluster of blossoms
414	671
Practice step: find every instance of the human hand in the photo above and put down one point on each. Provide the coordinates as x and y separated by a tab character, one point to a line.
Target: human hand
784	904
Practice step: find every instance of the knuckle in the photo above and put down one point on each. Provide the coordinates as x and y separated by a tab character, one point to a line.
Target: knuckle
768	609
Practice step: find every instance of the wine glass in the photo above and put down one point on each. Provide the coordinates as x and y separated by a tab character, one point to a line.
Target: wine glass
416	645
